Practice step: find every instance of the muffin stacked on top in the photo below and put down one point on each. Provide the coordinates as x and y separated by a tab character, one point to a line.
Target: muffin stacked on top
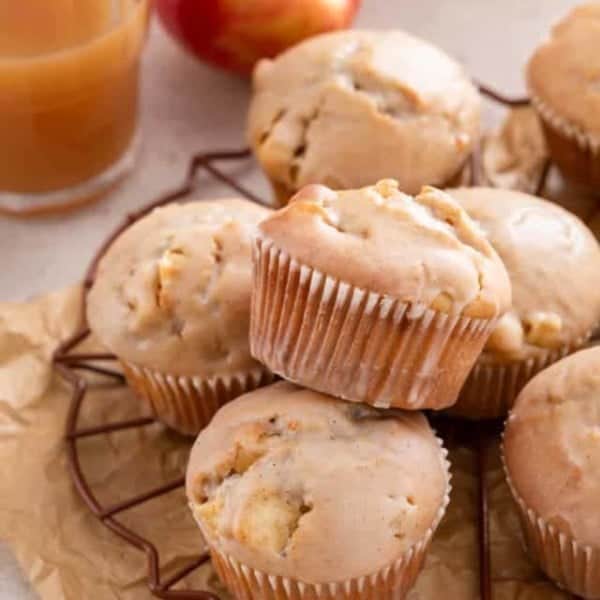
375	296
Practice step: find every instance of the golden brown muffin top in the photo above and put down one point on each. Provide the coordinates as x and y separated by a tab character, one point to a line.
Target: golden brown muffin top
348	108
287	480
173	291
553	262
564	73
424	250
552	445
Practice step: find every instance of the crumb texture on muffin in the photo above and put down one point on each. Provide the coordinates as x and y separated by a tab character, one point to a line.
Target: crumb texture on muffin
552	446
287	480
423	250
553	262
173	291
397	105
564	75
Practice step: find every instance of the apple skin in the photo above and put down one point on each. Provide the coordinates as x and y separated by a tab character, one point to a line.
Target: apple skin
235	34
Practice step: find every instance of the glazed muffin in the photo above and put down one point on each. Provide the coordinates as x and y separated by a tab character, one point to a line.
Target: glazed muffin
171	299
348	108
553	261
375	296
285	481
552	454
562	78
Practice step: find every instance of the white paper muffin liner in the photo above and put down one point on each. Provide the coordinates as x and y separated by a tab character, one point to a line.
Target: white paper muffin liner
330	336
584	140
393	582
576	152
572	566
491	389
187	404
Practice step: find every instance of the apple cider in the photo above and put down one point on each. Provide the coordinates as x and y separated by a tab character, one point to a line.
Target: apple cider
68	94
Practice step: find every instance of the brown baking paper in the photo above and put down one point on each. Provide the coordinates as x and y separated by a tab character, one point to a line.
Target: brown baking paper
67	554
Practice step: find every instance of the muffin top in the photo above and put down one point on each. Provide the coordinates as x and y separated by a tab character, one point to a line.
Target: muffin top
553	262
552	445
348	108
564	71
172	293
286	480
424	250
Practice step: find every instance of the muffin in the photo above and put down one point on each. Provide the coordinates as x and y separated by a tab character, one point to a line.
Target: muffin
349	108
553	262
375	296
171	299
552	455
513	155
284	481
562	79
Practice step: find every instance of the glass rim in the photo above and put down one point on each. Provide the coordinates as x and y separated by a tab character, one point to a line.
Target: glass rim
133	6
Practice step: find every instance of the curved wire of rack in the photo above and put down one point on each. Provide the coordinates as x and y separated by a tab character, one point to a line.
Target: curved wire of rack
70	364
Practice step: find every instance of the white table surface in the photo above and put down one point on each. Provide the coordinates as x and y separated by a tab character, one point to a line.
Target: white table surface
188	107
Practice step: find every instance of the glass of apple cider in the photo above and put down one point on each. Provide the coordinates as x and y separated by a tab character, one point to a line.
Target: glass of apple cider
69	73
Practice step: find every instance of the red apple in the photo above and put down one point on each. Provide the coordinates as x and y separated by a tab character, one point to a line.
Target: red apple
234	34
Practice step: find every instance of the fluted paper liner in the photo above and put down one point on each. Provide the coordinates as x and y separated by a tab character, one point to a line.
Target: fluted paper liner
187	404
576	152
491	389
328	335
393	582
572	566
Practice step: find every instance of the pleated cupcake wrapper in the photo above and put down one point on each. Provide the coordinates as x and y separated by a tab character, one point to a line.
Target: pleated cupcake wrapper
392	582
585	141
572	566
576	152
491	390
187	404
328	335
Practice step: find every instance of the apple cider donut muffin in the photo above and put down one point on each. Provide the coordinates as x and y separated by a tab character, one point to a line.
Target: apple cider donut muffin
553	262
172	300
348	108
552	460
563	78
302	496
375	296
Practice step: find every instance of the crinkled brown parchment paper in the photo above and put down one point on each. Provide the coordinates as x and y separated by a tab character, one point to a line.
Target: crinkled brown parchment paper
67	554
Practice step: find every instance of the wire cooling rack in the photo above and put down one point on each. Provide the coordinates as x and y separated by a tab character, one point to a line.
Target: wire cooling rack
71	366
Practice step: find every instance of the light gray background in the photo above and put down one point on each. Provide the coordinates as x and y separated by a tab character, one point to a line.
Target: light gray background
188	107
